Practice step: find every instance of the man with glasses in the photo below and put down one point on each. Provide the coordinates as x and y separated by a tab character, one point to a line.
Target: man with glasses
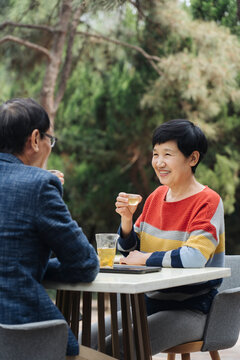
53	139
34	221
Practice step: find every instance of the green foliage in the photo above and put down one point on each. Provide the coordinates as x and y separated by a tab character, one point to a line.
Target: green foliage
202	77
101	124
222	178
200	81
25	66
223	12
105	5
31	11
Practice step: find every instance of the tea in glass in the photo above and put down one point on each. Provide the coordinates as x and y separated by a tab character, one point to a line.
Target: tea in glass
106	248
106	256
133	199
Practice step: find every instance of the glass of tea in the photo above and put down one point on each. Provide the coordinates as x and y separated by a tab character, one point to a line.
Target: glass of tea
106	248
133	199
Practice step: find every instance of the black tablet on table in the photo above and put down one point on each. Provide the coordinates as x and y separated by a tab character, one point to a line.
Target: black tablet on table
130	269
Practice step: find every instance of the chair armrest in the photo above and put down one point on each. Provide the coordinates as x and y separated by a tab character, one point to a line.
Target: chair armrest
223	322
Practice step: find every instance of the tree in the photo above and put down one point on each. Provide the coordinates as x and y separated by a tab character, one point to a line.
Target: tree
122	100
226	13
57	50
55	41
199	80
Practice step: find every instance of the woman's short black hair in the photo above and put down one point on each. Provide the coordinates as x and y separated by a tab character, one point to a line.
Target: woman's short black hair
188	136
18	118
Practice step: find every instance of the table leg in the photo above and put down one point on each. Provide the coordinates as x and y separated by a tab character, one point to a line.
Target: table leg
68	307
137	325
59	299
101	323
144	326
64	303
128	344
86	321
69	304
76	295
114	326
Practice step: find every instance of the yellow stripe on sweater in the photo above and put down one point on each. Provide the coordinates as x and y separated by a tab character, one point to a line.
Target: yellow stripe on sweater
221	246
151	243
203	244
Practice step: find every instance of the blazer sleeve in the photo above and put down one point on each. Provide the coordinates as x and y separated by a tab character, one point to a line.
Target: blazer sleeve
76	259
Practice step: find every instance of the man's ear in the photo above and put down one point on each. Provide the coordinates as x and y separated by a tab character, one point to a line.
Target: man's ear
34	140
194	158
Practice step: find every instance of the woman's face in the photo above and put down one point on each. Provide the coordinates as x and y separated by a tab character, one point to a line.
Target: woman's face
171	166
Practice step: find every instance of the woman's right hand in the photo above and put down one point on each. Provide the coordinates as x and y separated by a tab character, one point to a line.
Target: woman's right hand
123	208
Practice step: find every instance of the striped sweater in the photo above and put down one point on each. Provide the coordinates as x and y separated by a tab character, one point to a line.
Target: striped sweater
186	233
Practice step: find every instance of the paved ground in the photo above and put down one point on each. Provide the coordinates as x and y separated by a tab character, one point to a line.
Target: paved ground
229	354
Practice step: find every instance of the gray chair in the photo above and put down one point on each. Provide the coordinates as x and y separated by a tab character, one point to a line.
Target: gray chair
223	322
45	340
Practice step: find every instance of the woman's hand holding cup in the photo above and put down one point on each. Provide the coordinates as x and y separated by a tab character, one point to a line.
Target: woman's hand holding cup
126	204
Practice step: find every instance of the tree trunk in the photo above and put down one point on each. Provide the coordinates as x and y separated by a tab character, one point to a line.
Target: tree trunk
238	10
53	67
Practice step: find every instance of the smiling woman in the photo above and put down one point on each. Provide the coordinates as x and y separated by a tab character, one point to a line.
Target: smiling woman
181	226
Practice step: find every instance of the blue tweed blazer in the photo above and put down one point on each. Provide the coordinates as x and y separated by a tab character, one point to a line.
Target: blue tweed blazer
34	221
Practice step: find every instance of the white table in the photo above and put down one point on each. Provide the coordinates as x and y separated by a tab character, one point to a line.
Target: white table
132	289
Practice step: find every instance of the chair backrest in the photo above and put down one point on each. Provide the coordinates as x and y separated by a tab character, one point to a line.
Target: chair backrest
45	340
232	261
223	322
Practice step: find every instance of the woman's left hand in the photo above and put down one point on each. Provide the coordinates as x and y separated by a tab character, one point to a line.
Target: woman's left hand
135	258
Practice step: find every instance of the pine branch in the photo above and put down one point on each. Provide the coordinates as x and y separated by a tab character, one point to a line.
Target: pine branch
27	44
150	58
27	26
137	6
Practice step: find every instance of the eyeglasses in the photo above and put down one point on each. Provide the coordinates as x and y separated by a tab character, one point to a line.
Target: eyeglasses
53	139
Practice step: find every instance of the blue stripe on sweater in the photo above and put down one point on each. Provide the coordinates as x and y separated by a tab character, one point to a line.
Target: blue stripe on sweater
176	259
155	259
